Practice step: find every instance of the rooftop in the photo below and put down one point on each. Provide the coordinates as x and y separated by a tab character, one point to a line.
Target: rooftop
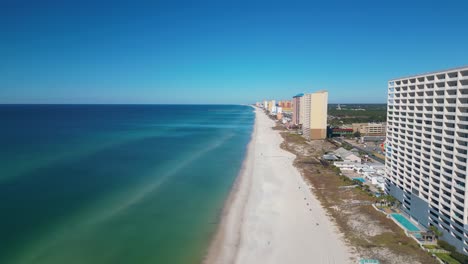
428	73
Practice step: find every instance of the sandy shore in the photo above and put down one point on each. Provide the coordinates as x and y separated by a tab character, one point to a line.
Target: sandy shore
271	215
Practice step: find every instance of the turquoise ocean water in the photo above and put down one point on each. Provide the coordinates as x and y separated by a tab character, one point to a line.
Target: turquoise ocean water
116	183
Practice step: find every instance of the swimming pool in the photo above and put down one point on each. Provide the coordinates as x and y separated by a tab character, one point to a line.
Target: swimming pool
405	222
359	179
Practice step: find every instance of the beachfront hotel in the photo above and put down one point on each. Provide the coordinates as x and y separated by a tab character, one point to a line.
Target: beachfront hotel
286	105
296	108
427	145
271	106
313	115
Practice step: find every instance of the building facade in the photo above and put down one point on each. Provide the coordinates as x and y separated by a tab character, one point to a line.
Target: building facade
305	115
271	106
339	132
427	145
369	128
315	108
286	105
318	115
296	108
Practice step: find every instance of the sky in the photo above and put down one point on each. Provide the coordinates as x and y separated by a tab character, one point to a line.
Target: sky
226	52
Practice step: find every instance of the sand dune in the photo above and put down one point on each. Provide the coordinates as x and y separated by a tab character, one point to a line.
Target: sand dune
271	215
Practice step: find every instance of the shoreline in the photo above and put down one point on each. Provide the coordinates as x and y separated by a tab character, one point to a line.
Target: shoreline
215	245
281	221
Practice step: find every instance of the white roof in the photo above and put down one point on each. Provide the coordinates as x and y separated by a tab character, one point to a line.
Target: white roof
351	157
343	153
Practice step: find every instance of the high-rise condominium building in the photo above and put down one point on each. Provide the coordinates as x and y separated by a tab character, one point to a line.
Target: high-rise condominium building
296	107
427	145
305	114
271	105
314	109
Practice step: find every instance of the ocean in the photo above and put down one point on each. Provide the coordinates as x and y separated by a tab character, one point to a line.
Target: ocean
116	183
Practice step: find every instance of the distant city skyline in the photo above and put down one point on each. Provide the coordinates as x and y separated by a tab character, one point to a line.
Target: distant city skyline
178	52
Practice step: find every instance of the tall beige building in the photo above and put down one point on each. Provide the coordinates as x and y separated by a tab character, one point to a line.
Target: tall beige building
271	105
314	109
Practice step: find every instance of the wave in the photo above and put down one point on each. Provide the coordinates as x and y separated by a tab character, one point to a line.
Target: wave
109	208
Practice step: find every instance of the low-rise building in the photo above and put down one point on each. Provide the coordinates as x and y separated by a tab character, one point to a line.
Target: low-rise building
369	128
344	165
330	157
365	139
279	115
347	155
339	131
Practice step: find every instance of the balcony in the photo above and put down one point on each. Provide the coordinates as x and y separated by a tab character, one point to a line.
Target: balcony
459	175
458	218
462	128
458	170
462	122
448	128
446	196
447	135
456	194
460	187
463	75
456	209
444	202
440	86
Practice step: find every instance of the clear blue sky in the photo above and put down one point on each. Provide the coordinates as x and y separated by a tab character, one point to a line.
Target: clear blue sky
221	51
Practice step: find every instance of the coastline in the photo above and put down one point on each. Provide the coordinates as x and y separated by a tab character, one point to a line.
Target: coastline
271	214
227	230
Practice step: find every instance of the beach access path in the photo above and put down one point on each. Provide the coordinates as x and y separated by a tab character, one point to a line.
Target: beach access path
271	215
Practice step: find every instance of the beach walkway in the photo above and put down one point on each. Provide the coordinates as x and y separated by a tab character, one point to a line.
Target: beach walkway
271	215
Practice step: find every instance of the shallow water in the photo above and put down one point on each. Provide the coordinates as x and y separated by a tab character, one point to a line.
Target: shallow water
115	184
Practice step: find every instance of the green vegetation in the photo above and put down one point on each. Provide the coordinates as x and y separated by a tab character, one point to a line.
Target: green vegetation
431	246
347	146
295	138
387	200
436	231
447	258
370	113
445	245
461	258
279	127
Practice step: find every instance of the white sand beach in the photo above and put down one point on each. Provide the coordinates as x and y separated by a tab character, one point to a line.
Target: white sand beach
271	215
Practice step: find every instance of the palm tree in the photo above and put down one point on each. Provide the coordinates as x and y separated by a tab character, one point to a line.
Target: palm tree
436	231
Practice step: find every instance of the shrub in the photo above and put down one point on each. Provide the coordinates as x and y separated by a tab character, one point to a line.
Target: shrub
459	257
463	259
445	245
